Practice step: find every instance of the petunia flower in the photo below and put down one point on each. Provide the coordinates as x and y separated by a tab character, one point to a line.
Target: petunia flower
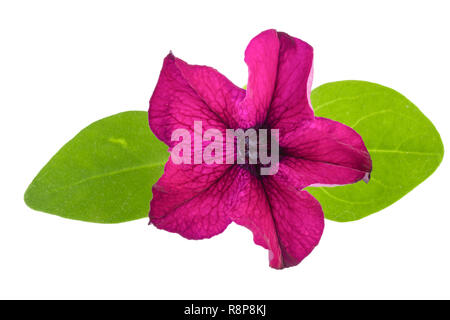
199	201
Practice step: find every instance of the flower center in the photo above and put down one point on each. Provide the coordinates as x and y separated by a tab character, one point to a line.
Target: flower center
257	150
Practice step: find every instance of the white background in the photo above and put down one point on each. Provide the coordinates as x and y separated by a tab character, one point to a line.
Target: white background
64	64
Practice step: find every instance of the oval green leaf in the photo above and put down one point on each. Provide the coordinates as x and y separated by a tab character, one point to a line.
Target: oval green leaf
104	174
404	145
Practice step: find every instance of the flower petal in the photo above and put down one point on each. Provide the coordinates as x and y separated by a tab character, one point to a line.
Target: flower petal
291	103
261	57
324	153
286	221
186	93
279	83
193	200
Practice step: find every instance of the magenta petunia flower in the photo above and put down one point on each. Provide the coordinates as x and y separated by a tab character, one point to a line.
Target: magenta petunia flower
199	201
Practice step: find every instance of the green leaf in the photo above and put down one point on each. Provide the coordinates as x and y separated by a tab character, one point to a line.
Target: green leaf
404	145
104	174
